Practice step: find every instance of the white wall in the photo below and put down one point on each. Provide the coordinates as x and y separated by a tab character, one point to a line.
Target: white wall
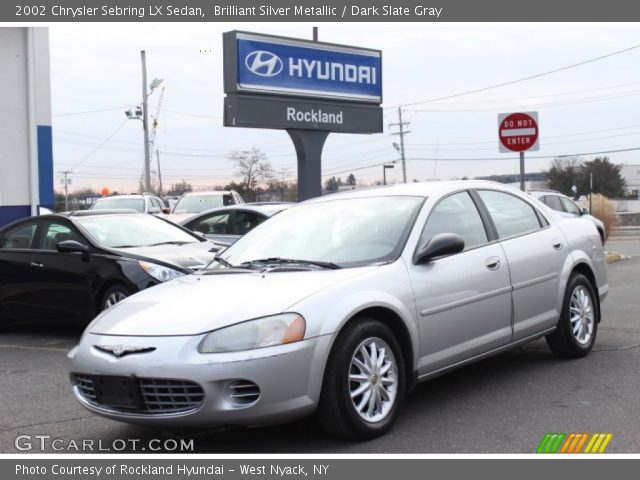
26	163
14	126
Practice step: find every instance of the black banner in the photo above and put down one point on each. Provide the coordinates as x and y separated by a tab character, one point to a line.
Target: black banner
318	11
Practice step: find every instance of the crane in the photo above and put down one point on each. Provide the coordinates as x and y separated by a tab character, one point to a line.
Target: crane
152	139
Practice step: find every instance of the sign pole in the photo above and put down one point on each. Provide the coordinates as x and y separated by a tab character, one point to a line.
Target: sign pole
309	145
522	171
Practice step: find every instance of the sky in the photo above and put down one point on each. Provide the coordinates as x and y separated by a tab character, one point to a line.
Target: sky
96	76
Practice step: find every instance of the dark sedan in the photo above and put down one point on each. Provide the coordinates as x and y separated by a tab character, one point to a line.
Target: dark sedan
225	225
72	266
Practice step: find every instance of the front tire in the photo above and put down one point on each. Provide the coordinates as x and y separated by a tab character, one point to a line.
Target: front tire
113	295
364	382
578	325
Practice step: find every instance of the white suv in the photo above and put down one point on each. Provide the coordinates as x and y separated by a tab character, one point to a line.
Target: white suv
143	203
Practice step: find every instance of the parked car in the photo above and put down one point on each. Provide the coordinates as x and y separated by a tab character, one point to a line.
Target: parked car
197	202
341	304
225	225
567	207
143	203
72	266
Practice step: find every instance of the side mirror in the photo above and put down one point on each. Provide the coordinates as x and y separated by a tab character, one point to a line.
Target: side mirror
439	246
166	211
585	211
71	246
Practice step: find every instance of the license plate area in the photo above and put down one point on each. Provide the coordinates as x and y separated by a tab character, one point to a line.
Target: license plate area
116	391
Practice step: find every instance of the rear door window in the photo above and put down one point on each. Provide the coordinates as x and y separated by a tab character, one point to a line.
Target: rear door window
244	222
20	237
511	215
553	202
216	224
570	207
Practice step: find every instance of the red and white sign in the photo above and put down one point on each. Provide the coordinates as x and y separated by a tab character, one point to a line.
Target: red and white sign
518	132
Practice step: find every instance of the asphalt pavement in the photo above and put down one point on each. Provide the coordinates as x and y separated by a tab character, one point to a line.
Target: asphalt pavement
504	404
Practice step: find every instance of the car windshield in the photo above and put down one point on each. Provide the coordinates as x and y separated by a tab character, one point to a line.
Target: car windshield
200	203
119	202
341	232
121	231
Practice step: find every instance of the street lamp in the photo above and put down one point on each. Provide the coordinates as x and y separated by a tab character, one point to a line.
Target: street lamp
384	171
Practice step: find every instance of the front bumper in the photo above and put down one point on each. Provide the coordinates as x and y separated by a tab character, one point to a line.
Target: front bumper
289	378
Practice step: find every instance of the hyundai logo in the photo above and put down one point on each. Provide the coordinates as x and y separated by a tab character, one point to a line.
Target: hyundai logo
263	63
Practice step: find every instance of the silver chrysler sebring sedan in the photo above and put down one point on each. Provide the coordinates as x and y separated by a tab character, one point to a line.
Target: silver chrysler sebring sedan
341	304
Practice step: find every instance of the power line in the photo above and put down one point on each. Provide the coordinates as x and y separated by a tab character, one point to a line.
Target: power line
565	103
85	112
524	79
101	144
630	149
440	159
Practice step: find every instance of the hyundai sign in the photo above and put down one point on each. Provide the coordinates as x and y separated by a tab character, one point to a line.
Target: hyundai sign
265	64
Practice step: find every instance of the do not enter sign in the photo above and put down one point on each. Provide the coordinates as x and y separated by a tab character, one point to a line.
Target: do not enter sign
518	132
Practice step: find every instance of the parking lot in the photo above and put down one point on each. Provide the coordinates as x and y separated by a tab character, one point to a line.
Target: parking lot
504	404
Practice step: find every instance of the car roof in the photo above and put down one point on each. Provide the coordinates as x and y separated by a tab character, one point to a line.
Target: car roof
268	210
208	192
542	192
417	189
106	211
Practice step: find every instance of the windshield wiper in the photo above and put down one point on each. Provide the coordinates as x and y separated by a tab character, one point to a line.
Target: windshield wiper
222	261
171	242
285	261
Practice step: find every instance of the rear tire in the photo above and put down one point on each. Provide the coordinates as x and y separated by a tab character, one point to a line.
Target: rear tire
113	295
578	325
364	382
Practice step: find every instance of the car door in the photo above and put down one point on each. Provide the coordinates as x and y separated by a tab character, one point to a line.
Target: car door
536	251
64	280
464	300
18	294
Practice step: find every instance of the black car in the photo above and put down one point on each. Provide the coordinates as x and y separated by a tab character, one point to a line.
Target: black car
72	266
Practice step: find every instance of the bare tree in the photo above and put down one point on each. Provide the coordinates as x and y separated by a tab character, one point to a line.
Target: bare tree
254	168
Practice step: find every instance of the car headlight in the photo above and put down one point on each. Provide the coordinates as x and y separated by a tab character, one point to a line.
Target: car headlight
258	333
160	273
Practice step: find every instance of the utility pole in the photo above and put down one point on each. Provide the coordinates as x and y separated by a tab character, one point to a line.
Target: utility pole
66	181
402	132
159	173
145	123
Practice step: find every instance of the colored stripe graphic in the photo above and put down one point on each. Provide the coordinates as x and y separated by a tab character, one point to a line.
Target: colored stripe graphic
574	442
550	442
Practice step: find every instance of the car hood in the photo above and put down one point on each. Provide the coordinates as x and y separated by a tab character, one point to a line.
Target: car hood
196	304
191	256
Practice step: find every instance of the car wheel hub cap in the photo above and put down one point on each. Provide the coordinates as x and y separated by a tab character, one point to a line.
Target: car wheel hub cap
581	314
373	379
113	299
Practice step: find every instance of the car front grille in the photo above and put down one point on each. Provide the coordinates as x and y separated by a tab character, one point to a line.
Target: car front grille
158	395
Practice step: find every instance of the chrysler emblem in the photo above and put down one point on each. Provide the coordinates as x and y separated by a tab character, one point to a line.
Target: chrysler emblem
122	350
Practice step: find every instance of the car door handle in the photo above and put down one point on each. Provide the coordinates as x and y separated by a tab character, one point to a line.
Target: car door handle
37	264
492	263
557	244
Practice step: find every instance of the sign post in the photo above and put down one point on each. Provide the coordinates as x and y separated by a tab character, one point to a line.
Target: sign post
518	132
307	88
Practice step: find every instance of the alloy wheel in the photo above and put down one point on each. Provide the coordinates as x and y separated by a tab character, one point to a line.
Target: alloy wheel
373	379
581	315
